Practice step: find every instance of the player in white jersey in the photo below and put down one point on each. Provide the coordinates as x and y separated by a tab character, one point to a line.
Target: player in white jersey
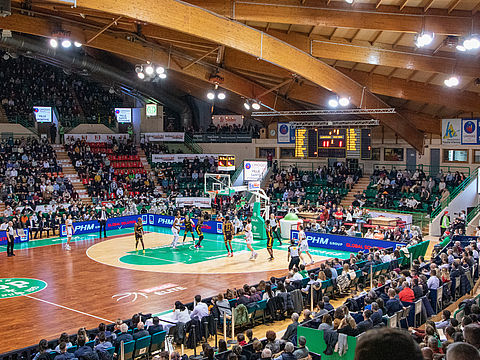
175	230
302	240
249	239
70	231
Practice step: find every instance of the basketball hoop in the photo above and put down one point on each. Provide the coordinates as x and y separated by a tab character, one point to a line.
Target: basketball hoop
212	194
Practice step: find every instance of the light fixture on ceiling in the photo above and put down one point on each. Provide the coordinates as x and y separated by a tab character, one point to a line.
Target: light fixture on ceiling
162	76
160	70
77	44
460	48
66	43
211	95
141	75
349	1
344	101
246	105
53	43
221	95
452	81
424	39
471	43
333	103
149	70
256	105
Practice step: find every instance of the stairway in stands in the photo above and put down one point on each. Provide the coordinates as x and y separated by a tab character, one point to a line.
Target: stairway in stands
146	164
70	172
361	185
3	115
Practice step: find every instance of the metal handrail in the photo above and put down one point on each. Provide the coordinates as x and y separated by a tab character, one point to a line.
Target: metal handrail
454	194
192	145
471	215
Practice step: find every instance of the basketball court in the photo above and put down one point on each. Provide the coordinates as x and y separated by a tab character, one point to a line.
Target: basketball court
50	290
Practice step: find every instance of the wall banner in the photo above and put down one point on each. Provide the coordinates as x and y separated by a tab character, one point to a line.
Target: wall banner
451	131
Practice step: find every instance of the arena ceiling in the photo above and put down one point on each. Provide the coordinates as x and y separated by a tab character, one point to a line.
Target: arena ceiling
289	54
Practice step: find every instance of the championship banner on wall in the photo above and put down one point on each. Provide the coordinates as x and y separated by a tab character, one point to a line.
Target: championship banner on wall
96	138
200	202
222	120
254	170
165	136
461	131
469	132
285	134
344	243
226	162
168	158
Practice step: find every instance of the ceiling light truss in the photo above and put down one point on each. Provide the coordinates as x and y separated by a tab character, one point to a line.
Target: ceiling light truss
339	123
324	112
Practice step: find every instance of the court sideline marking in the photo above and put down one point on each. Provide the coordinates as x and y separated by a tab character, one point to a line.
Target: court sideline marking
68	308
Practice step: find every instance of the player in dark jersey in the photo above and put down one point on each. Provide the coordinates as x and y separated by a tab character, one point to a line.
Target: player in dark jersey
269	230
228	235
138	229
189	225
293	255
198	228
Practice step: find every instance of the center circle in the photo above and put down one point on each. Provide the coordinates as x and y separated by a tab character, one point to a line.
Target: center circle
14	287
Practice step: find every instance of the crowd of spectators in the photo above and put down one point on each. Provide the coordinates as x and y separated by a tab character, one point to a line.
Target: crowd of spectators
102	179
28	82
235	129
410	190
30	174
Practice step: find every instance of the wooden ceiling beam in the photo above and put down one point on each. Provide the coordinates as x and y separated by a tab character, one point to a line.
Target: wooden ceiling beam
403	4
422	121
453	4
366	17
428	5
345	51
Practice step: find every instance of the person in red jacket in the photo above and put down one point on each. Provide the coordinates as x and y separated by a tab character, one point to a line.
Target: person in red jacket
406	295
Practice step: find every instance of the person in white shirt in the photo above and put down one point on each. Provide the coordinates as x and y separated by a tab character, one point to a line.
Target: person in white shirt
433	281
249	239
175	230
200	310
180	313
302	240
11	232
70	231
369	234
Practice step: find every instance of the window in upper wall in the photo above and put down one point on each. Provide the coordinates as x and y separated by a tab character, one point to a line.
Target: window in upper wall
287	153
476	156
393	154
263	152
459	156
376	154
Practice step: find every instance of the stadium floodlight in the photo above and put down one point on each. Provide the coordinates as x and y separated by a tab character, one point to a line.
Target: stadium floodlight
141	75
221	95
160	70
344	101
210	95
77	44
424	39
452	81
149	70
53	43
66	43
246	105
471	43
256	106
333	103
162	76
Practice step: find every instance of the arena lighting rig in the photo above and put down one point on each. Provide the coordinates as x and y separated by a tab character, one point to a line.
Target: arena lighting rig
324	112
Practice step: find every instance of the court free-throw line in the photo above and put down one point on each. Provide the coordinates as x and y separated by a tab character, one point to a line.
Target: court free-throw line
68	308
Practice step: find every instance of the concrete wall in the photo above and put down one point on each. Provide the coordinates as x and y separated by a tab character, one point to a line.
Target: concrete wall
91	129
240	150
7	129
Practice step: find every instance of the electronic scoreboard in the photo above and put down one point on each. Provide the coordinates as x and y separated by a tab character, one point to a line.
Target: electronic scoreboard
350	143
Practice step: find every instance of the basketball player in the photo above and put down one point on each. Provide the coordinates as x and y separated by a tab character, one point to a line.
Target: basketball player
302	240
70	231
293	255
189	225
228	235
249	239
175	230
268	229
274	224
198	228
138	229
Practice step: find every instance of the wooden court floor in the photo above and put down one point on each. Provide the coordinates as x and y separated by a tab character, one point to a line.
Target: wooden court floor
89	285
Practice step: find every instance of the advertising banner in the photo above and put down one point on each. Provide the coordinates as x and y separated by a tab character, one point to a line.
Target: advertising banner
469	131
254	170
95	138
451	131
226	162
222	138
285	134
165	136
201	202
253	185
167	158
88	227
18	239
123	115
43	114
344	243
225	120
